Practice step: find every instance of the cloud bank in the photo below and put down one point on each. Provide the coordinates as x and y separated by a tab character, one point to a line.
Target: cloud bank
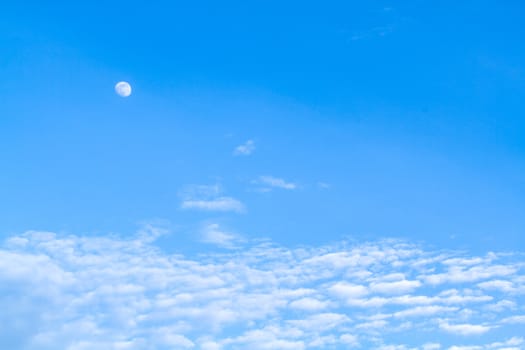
79	292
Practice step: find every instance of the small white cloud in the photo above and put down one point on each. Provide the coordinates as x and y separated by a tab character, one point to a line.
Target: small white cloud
458	274
245	149
516	319
321	322
217	204
504	286
464	329
175	341
397	287
324	185
275	182
501	305
511	343
346	290
428	310
375	324
468	347
151	231
208	198
308	304
214	235
349	340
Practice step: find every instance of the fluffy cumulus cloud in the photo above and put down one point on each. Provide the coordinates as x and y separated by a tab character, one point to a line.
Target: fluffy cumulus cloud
91	292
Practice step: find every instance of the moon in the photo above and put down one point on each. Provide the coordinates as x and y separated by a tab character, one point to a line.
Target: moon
123	89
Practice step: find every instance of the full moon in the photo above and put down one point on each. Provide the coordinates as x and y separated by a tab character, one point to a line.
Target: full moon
123	89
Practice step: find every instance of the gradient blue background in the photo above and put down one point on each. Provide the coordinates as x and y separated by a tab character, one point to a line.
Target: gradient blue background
413	113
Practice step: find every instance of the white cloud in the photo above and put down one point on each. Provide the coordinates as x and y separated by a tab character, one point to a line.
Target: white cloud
320	322
501	305
209	198
464	329
458	274
308	304
397	287
514	341
274	182
174	340
349	339
375	324
85	292
245	149
514	319
347	290
212	233
216	204
504	286
322	341
419	311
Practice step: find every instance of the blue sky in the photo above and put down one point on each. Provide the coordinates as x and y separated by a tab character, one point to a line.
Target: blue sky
327	126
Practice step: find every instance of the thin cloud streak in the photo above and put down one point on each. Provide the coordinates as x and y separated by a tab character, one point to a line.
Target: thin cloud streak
217	204
275	182
209	198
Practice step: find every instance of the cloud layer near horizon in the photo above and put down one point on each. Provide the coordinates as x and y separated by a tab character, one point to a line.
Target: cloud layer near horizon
79	292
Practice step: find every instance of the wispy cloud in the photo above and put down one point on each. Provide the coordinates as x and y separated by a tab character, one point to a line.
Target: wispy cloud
213	234
464	329
323	185
245	149
85	292
514	319
371	33
269	182
216	204
389	19
209	198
